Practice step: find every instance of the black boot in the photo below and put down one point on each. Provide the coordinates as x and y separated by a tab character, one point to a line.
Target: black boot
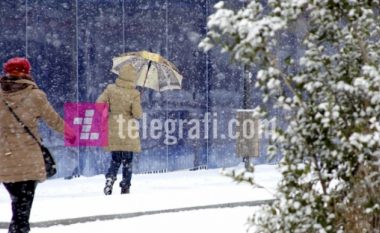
125	190
125	185
109	185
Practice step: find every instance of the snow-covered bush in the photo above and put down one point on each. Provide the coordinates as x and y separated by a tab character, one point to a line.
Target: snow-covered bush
331	93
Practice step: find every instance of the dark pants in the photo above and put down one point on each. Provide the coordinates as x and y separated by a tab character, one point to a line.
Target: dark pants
22	195
118	158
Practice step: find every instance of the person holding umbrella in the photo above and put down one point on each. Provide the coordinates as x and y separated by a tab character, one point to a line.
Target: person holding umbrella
144	69
124	103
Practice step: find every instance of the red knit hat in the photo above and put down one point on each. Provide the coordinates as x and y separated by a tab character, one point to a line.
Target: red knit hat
17	66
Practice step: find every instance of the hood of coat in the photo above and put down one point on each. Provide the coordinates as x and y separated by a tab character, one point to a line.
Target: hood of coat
11	84
127	77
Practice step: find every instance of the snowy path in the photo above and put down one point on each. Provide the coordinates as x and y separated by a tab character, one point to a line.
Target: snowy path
83	197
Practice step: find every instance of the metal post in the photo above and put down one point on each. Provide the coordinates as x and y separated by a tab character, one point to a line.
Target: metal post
247	101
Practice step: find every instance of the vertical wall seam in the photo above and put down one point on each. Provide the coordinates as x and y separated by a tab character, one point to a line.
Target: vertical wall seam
77	63
168	57
123	24
26	28
207	87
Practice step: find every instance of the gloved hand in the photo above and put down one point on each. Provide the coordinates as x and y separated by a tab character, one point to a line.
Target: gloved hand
70	135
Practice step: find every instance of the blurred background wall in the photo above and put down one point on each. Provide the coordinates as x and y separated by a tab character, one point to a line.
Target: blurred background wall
70	44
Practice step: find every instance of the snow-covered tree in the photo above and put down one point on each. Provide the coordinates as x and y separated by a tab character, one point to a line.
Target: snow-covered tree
331	93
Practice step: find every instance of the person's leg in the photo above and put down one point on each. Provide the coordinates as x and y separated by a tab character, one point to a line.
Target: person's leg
112	171
22	196
116	158
127	171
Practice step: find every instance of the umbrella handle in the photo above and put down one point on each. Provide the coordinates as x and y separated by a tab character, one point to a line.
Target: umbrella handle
147	71
146	76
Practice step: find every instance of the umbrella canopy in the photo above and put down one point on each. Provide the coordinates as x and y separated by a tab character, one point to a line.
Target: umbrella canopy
153	70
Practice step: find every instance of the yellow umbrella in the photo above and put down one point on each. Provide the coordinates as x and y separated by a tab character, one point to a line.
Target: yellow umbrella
153	70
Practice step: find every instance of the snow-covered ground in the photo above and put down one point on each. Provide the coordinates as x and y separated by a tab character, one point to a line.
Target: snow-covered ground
60	199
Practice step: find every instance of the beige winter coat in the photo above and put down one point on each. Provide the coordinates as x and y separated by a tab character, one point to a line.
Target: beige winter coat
125	108
20	155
